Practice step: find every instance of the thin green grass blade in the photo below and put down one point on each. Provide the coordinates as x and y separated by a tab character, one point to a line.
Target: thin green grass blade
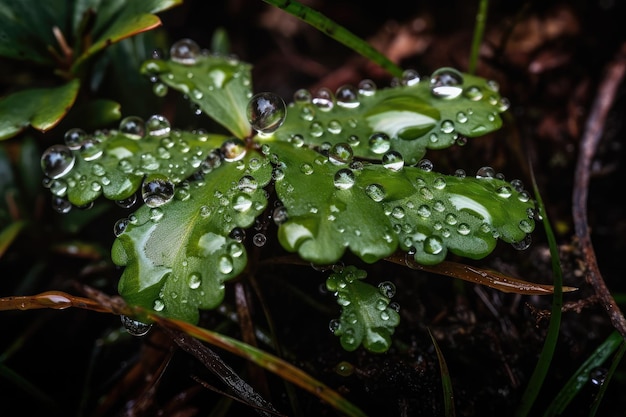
446	381
337	32
614	363
545	358
578	380
479	31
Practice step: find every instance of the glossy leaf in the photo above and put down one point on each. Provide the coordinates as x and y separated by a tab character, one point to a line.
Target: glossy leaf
219	85
42	108
408	119
114	164
366	317
372	209
178	255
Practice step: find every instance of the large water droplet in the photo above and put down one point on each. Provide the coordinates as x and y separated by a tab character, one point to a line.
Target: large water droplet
242	202
347	96
446	83
266	112
157	190
185	51
157	125
74	137
61	205
393	161
324	99
279	215
379	143
523	244
410	77
233	150
367	87
387	289
344	179
90	149
375	191
340	154
433	245
132	127
57	161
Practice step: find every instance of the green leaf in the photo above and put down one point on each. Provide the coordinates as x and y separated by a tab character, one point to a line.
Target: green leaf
114	163
372	209
219	85
117	20
42	108
178	255
366	317
408	119
324	220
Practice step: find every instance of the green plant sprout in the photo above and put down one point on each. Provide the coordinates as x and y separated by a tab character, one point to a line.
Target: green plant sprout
336	171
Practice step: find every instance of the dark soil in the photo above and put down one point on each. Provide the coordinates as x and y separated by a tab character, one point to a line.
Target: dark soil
550	59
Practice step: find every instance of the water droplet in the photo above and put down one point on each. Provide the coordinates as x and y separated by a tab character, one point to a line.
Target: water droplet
127	202
334	127
235	249
387	289
185	51
463	229
225	264
233	150
522	244
446	83
302	96
266	112
160	89
598	375
74	137
474	93
447	126
344	179
410	77
424	211
157	190
459	173
242	202
238	234
57	161
425	165
324	99
61	205
493	85
503	104
132	127
433	245
279	215
158	305
157	125
375	191
439	183
379	143
334	325
451	219
259	239
347	96
367	87
58	188
525	226
306	168
340	154
135	327
485	172
120	226
343	368
461	117
393	161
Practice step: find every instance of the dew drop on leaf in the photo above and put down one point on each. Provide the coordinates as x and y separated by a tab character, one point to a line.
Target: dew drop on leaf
61	205
340	154
74	137
233	150
157	190
367	87
157	125
393	161
120	226
266	112
387	289
433	245
344	179
446	83
135	327
522	244
347	96
473	92
375	191
379	143
302	96
194	280
225	264
279	215
185	51
410	77
90	149
324	99
132	127
57	161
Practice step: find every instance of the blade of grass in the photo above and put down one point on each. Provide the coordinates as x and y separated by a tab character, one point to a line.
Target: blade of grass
336	32
545	358
479	31
578	380
616	360
446	382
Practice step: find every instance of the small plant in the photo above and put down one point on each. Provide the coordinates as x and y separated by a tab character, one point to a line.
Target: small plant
336	171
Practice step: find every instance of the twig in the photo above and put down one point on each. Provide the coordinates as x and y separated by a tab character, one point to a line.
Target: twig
589	142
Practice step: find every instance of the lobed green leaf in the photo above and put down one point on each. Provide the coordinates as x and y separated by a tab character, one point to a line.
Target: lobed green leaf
178	255
366	317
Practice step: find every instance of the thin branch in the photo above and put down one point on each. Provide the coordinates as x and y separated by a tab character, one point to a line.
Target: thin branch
589	143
